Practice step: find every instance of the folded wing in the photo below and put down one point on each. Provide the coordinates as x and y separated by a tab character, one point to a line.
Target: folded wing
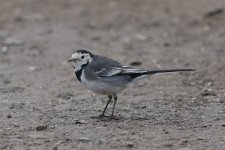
132	72
117	71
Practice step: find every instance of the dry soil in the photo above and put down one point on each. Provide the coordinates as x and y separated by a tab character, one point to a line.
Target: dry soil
43	106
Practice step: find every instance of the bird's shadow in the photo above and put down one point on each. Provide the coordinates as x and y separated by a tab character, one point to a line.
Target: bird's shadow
120	118
109	118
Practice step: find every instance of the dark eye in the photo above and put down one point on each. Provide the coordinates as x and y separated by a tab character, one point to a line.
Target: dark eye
82	57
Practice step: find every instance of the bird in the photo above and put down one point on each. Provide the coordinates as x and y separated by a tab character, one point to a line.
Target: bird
106	76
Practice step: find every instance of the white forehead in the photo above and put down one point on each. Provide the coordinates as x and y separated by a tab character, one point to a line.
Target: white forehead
78	55
75	55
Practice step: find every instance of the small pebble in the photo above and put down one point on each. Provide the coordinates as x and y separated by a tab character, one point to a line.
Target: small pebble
200	138
41	127
84	139
135	63
4	49
130	144
209	84
193	84
166	44
206	125
141	37
13	41
208	92
55	148
123	133
16	124
215	100
213	13
168	145
9	116
6	81
185	141
67	139
100	142
166	132
31	68
80	122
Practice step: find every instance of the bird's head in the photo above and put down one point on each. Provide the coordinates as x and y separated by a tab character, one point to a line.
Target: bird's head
81	58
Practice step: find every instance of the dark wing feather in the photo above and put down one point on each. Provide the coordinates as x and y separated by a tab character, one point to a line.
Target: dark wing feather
101	67
120	71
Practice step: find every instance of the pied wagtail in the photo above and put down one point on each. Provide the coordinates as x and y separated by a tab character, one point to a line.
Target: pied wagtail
106	76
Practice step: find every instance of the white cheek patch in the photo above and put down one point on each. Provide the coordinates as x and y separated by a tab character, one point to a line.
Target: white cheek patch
88	58
77	66
79	62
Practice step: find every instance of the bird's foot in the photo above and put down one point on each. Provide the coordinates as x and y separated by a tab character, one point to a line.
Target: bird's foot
102	116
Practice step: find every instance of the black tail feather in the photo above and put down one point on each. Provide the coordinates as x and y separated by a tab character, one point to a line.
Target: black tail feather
135	75
168	70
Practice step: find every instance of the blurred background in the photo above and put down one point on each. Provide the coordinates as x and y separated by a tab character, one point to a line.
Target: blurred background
39	91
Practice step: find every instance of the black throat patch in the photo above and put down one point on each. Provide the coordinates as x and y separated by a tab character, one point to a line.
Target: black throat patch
78	73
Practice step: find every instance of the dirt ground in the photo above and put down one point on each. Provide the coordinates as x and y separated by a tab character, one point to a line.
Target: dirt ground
43	106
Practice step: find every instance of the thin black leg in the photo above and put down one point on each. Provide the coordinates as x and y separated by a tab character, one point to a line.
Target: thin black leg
110	98
114	105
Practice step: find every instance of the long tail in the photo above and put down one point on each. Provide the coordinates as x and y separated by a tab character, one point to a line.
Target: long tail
144	73
168	70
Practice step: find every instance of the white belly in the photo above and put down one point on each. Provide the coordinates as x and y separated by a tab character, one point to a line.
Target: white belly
99	87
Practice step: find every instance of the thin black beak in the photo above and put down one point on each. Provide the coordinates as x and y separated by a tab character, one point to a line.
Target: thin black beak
71	59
